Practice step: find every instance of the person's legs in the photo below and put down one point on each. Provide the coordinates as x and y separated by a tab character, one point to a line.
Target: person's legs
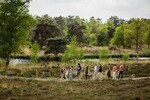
121	74
94	76
113	75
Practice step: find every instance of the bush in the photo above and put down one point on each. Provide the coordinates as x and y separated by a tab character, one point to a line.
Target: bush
72	53
125	56
103	54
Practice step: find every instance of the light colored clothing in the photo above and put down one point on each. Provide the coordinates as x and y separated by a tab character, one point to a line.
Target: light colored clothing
70	74
114	71
95	70
100	75
66	74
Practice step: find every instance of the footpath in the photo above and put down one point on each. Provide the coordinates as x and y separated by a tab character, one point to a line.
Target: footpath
60	80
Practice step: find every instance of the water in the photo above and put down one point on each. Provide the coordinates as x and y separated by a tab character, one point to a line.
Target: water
20	61
117	59
27	61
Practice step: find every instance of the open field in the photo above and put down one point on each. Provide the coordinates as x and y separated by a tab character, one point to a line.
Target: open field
75	90
23	89
132	69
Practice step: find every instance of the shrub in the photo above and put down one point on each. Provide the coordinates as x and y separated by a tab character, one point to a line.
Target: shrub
34	52
72	53
103	54
125	56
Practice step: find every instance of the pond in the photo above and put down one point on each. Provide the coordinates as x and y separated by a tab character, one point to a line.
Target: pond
27	61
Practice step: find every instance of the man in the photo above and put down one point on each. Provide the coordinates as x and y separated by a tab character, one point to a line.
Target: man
100	72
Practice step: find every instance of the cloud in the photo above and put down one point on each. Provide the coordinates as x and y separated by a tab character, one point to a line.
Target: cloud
103	9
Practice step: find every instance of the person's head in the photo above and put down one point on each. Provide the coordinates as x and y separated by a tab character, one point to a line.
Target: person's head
78	64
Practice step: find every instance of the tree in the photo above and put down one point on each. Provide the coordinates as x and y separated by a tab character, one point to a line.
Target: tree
102	37
111	29
93	39
136	30
62	23
76	28
15	24
56	45
46	28
118	38
147	38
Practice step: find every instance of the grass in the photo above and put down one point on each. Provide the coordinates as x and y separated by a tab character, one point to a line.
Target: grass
132	69
75	90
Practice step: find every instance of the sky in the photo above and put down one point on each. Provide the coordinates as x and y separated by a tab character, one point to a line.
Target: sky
103	9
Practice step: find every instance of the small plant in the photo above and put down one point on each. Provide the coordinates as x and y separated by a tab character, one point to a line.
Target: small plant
72	53
103	54
34	52
125	56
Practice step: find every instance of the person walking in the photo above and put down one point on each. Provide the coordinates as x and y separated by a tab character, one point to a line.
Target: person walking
100	71
78	70
86	72
62	73
121	69
70	73
114	71
66	73
95	70
108	71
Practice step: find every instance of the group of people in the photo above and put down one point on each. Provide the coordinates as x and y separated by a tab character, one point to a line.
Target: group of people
67	73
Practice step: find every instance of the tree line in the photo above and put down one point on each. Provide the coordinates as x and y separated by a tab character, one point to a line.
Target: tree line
93	32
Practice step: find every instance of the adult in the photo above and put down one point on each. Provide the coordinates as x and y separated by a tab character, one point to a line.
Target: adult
114	71
86	72
100	71
121	69
78	70
62	73
108	71
70	73
66	72
95	70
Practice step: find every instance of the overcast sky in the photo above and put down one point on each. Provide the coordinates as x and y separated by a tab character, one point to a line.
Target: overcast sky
103	9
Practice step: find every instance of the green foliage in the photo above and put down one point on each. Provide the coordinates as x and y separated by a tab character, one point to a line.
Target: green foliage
72	53
118	38
102	37
125	56
145	53
103	54
15	25
135	33
56	45
34	52
93	39
76	27
45	28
